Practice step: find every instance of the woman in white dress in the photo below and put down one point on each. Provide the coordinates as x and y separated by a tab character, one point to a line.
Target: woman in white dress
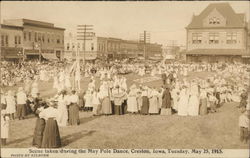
132	101
5	127
96	101
193	104
175	96
183	102
63	101
153	102
88	97
11	104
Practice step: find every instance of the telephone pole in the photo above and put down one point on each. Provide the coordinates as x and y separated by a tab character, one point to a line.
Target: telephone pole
144	38
83	34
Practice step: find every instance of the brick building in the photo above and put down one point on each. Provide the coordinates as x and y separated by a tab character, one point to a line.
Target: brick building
74	46
111	48
38	38
11	42
217	34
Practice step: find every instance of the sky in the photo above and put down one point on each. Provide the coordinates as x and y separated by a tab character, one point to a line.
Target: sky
164	20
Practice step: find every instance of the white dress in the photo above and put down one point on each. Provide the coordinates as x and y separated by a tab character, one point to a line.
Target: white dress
96	101
132	101
153	102
88	99
175	98
5	125
62	110
183	103
193	105
11	104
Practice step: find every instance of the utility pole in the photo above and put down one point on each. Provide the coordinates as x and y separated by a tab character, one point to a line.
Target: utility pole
83	34
173	45
144	38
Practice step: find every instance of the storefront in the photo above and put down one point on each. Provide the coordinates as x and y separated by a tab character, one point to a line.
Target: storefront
215	55
10	53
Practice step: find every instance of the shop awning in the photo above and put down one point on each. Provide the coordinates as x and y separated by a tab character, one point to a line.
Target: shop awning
216	52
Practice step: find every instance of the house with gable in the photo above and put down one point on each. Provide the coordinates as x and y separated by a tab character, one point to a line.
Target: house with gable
217	34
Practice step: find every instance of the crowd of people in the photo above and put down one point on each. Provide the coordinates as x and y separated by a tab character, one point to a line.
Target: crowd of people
108	93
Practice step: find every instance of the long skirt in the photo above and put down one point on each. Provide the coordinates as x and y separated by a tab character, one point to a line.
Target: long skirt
73	114
124	107
153	106
132	104
96	109
145	105
118	109
203	106
193	106
21	110
51	135
38	133
106	106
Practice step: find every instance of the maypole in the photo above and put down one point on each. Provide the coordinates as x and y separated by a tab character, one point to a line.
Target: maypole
77	71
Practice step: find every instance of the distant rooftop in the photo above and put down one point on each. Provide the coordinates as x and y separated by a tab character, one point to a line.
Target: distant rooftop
23	22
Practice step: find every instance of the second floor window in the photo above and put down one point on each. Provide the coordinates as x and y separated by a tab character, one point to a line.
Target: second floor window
35	37
24	36
19	39
15	39
92	46
39	37
196	38
43	38
29	36
48	38
231	37
213	38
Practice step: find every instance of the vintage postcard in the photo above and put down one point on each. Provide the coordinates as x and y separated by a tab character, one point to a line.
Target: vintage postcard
125	79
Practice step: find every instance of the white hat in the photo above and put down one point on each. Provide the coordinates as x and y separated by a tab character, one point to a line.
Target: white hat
20	89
